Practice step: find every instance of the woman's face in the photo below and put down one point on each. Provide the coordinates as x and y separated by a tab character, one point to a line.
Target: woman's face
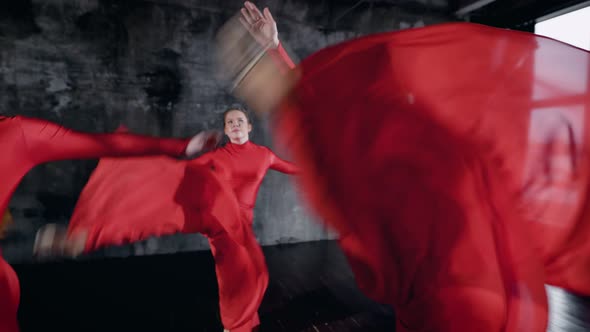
237	127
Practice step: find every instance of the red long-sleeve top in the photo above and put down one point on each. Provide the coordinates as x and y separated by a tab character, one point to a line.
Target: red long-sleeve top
244	166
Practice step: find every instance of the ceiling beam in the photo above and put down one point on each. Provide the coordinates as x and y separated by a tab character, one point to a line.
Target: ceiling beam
475	5
565	10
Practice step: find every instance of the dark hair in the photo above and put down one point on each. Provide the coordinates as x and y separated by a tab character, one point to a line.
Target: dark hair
236	107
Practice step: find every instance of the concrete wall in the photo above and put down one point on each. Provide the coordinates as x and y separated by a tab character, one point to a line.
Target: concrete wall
94	64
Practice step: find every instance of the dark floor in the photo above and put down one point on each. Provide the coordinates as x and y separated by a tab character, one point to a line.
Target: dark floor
311	289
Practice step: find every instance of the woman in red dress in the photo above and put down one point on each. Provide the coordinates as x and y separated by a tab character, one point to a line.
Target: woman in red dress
29	142
453	161
127	200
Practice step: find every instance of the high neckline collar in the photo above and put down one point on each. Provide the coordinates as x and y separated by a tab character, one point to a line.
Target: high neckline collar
245	145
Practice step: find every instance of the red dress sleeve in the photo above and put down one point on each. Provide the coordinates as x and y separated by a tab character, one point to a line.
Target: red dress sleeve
281	165
441	179
47	141
281	58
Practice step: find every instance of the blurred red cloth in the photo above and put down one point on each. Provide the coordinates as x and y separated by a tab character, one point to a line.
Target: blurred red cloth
453	161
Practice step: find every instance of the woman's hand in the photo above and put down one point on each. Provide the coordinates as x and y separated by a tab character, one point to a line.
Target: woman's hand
261	25
202	142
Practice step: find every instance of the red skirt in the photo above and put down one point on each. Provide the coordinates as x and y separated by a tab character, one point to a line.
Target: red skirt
441	155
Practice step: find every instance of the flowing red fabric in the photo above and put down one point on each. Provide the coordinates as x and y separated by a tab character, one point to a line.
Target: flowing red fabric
131	199
27	142
456	171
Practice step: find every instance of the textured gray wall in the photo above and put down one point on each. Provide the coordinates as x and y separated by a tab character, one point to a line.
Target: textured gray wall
94	64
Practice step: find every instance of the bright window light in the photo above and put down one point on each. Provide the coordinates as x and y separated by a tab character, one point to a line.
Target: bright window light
572	28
